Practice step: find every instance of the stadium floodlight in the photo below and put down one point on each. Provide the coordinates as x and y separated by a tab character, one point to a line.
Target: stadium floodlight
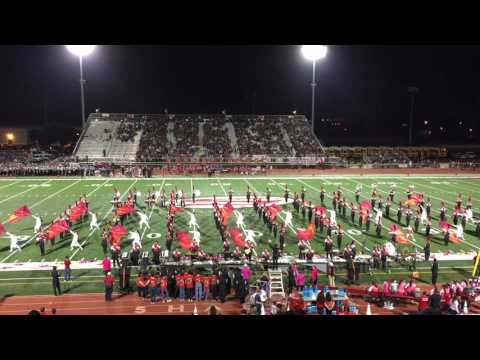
314	53
81	51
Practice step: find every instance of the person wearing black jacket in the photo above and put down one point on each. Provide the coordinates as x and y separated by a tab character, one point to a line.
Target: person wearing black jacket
291	279
56	281
275	253
222	285
310	212
434	272
426	250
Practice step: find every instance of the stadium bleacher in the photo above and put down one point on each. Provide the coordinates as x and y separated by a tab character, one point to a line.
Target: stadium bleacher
150	138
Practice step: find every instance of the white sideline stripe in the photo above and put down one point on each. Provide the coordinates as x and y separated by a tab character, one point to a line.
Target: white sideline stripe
106	215
23	192
34	205
472	176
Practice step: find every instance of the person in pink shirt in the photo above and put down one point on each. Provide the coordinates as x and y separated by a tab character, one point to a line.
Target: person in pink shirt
373	290
411	288
386	287
300	281
401	288
246	272
106	264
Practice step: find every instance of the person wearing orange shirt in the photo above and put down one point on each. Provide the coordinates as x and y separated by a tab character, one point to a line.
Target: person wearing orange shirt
206	287
214	286
181	286
198	287
189	286
154	288
164	288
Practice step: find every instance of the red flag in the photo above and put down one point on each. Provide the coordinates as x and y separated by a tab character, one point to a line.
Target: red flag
19	214
184	240
125	210
306	234
77	211
237	237
226	212
399	235
444	226
173	210
365	205
319	210
453	238
2	229
414	200
273	210
117	232
57	228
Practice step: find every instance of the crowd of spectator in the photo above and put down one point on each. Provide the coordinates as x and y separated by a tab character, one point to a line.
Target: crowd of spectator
186	135
259	135
128	129
154	145
300	133
216	139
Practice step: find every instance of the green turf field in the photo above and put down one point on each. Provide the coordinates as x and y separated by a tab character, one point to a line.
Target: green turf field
49	197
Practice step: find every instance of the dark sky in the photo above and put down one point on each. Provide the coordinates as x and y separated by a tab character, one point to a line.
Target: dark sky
366	86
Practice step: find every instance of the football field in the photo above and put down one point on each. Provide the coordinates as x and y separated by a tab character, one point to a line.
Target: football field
48	197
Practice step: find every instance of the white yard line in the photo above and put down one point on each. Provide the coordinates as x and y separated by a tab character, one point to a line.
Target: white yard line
24	192
106	215
151	213
34	205
8	185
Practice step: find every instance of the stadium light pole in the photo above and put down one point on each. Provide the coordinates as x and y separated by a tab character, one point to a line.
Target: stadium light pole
314	53
81	51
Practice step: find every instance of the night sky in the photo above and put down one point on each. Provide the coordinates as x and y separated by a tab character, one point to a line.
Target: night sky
364	88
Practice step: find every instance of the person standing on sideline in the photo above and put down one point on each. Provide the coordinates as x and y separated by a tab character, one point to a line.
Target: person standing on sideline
56	281
41	238
104	240
108	281
314	276
434	272
154	288
67	270
106	265
331	274
426	249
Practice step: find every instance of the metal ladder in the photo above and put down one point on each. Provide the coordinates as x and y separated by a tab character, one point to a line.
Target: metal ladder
275	283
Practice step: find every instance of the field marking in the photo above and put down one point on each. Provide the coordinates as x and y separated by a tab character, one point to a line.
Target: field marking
38	203
106	215
150	216
471	176
23	192
34	205
8	185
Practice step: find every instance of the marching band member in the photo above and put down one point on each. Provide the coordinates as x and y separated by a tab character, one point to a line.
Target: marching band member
13	242
74	244
38	224
143	220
